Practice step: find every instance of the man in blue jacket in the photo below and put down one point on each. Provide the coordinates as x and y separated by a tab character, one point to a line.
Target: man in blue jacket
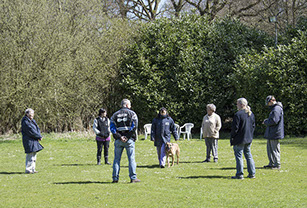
30	138
123	125
274	131
162	127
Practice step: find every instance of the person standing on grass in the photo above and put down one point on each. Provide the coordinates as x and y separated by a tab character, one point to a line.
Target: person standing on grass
211	126
123	127
161	129
242	131
101	128
274	131
31	136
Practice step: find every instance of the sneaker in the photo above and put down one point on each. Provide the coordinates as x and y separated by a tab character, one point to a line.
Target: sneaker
206	160
114	181
135	180
251	176
29	172
107	163
276	167
237	177
268	166
162	166
215	160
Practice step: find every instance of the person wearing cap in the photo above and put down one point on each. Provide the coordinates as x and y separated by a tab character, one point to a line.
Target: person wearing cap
31	136
211	126
124	124
101	128
161	129
274	131
242	130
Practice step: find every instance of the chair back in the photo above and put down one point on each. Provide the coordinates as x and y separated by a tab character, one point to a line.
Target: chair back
147	128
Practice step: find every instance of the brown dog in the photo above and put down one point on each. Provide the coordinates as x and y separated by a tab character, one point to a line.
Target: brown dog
170	150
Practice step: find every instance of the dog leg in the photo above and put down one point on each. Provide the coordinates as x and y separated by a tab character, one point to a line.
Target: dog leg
173	158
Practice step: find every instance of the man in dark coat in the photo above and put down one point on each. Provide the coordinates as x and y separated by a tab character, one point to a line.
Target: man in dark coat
242	131
274	131
30	138
161	129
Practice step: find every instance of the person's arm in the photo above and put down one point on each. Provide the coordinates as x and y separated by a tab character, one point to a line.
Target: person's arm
234	128
174	131
273	119
30	129
218	124
95	127
153	130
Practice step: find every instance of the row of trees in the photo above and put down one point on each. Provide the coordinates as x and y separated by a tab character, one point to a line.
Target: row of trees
66	59
60	59
185	64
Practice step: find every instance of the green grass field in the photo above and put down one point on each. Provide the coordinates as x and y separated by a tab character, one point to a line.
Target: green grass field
69	177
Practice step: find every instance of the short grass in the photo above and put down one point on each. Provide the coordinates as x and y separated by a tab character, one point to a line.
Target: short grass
69	177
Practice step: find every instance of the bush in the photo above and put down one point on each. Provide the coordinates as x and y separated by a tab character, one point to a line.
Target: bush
281	72
184	64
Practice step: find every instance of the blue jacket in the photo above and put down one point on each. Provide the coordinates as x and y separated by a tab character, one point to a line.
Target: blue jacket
275	123
161	130
124	123
30	135
242	128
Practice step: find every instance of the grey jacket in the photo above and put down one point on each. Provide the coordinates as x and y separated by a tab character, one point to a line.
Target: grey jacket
275	123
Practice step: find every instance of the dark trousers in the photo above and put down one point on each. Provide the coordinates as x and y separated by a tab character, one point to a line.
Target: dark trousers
105	145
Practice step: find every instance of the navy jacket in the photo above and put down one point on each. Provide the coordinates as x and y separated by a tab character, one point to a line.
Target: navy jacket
275	123
161	130
30	135
242	129
124	123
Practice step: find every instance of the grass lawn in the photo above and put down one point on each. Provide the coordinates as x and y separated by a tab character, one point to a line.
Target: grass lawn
69	177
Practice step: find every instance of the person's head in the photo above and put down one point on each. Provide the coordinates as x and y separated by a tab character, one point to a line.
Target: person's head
211	108
30	113
242	104
102	112
270	100
163	111
126	103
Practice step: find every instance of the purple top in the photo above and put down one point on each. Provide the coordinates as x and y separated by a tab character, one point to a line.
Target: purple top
102	139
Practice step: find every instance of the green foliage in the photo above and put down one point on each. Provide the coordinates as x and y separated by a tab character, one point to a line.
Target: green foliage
281	72
59	58
184	64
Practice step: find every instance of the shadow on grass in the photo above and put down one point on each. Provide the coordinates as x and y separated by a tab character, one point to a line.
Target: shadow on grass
148	166
190	161
11	173
210	177
80	182
74	165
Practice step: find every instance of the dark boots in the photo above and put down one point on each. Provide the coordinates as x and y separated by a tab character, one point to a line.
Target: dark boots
106	161
98	160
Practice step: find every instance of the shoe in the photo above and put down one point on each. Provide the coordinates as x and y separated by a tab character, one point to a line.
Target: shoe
98	163
135	180
162	166
29	172
237	177
251	176
215	160
35	171
107	163
114	181
268	166
276	167
206	160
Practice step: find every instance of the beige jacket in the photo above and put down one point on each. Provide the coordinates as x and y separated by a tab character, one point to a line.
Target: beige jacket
211	126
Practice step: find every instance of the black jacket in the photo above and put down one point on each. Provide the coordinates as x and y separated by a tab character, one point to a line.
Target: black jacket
161	130
242	129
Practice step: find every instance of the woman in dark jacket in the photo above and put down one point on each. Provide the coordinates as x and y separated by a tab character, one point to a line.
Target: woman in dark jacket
162	128
242	131
30	138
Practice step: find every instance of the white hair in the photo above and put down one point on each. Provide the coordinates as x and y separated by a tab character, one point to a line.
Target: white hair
245	106
211	107
29	111
125	102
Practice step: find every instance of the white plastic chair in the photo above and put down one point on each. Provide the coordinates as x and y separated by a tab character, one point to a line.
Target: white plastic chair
177	128
201	133
187	130
147	128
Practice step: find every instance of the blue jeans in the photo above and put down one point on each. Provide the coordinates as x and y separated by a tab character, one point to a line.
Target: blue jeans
118	150
161	154
238	150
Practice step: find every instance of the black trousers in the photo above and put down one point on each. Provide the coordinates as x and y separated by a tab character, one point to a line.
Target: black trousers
105	145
